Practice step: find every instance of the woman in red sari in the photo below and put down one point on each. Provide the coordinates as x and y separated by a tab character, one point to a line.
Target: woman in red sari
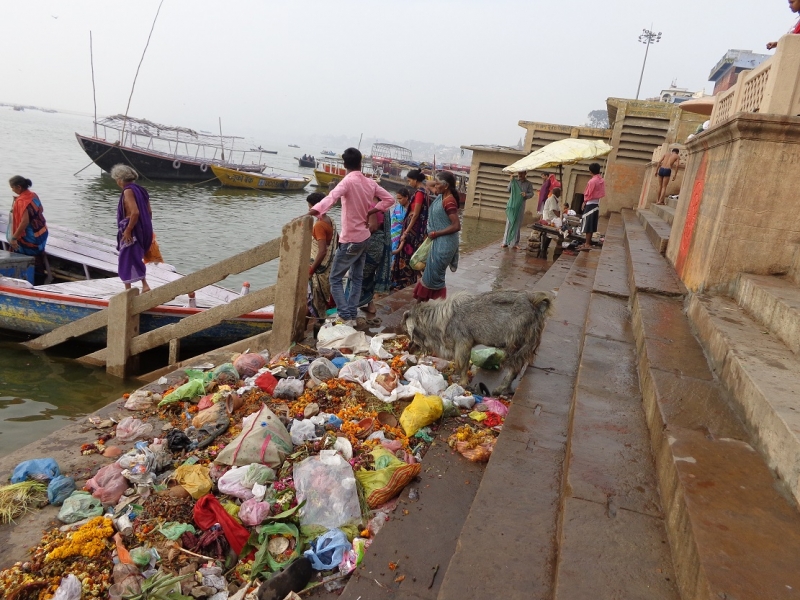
27	230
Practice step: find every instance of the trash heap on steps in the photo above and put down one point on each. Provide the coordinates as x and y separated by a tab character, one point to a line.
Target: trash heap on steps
256	478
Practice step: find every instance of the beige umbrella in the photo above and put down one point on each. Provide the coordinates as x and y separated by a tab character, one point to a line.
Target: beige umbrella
700	106
563	152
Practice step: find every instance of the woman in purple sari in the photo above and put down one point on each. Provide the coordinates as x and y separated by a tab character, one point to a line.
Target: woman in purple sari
134	227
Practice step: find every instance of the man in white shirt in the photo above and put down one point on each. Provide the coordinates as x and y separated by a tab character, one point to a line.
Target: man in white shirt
552	207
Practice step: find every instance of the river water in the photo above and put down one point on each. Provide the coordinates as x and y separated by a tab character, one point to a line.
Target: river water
197	225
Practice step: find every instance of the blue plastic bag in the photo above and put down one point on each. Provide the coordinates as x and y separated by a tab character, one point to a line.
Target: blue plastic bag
59	489
40	469
327	550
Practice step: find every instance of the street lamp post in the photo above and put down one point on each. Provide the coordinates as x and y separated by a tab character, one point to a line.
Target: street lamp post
648	37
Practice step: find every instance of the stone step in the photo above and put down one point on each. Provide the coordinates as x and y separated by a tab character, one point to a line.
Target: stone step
666	213
648	270
730	524
506	548
761	374
672	202
612	270
657	230
775	303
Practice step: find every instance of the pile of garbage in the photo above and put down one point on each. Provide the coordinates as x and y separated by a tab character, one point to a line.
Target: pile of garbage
256	478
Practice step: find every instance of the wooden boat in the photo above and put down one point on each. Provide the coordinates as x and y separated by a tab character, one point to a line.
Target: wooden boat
41	309
306	162
161	151
329	172
88	268
293	146
259	181
327	153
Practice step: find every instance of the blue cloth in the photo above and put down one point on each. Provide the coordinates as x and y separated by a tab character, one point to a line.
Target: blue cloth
444	250
37	468
327	550
349	257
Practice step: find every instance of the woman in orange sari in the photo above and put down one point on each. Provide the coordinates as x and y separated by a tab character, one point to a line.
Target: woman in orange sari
27	230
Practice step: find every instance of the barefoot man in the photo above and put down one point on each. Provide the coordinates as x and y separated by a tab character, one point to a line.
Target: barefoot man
668	165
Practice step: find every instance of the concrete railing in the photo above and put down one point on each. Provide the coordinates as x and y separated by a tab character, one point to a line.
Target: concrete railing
121	318
770	88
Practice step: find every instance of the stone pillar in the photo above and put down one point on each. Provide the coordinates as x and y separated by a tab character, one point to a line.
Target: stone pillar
123	326
289	321
737	210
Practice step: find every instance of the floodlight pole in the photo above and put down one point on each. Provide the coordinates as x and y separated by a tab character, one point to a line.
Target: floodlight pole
648	37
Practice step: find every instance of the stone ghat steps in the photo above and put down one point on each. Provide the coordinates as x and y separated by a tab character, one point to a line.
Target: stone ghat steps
568	506
733	530
775	303
657	229
665	212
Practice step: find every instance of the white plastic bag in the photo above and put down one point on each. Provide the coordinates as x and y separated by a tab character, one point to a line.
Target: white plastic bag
343	446
376	345
359	371
142	400
130	429
303	431
70	589
289	389
231	483
328	486
428	378
343	337
321	370
400	392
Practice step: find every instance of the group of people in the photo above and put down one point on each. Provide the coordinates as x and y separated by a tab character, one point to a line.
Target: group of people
550	207
308	158
380	234
27	231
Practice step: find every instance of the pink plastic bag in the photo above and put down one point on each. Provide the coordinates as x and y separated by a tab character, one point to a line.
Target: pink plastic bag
248	364
253	512
108	484
496	406
130	429
231	483
205	402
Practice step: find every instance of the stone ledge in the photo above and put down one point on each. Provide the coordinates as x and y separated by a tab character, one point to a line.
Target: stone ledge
657	229
612	270
648	270
775	303
666	213
761	375
730	529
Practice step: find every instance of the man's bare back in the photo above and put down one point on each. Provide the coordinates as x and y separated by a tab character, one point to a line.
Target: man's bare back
669	161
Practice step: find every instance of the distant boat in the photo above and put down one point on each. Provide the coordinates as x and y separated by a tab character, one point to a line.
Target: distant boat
260	149
161	151
306	162
19	108
293	146
328	153
259	181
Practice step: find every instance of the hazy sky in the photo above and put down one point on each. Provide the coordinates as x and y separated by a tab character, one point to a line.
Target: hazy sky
444	71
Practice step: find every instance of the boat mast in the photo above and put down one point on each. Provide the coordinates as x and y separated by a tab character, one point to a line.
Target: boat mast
94	92
221	142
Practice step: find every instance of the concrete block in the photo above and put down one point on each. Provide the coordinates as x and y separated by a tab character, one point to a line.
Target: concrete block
775	303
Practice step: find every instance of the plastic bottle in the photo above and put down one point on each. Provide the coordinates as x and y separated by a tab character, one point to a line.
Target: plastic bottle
245	288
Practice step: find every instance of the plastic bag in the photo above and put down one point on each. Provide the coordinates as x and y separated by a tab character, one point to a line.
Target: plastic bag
289	389
422	411
231	483
248	364
322	370
131	428
480	453
188	391
487	358
344	338
344	447
258	474
496	406
108	484
226	374
328	486
194	479
80	505
141	400
142	556
388	479
376	345
264	557
428	378
358	371
263	440
209	415
327	551
303	431
380	382
420	257
173	530
267	382
70	589
59	489
39	469
253	512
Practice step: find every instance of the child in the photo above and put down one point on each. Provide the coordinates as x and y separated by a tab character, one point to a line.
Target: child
398	214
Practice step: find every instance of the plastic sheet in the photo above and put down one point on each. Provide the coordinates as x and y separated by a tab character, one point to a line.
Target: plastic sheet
289	388
303	431
253	512
327	551
328	486
108	484
59	489
131	428
39	469
428	378
188	391
80	505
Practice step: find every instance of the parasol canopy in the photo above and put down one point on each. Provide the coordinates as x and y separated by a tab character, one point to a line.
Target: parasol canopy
563	152
700	106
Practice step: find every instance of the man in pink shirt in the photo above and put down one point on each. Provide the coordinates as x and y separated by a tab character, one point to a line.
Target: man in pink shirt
595	191
356	192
